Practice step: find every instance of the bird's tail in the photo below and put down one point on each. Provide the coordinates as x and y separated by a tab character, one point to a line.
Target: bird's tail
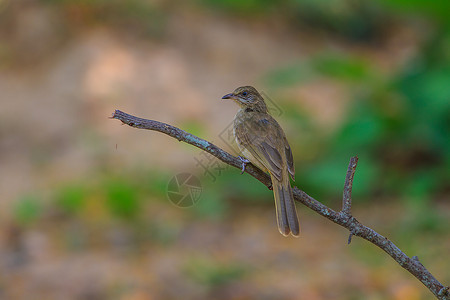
287	219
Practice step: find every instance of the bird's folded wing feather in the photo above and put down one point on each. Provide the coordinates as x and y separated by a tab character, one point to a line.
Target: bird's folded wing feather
289	159
265	140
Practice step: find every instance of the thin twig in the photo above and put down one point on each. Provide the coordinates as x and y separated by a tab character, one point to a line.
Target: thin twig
344	219
347	195
349	238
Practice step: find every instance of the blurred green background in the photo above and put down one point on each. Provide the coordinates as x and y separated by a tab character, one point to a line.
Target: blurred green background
84	209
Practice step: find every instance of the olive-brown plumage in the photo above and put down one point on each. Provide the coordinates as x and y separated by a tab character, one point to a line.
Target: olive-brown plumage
263	142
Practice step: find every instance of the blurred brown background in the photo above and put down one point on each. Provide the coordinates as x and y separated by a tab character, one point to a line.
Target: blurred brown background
84	209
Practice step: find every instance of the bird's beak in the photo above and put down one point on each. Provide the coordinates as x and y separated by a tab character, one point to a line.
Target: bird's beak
228	96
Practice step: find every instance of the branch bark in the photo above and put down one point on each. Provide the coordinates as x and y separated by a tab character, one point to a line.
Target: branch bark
343	218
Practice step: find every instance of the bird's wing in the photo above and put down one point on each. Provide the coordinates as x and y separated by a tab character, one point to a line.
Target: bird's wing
289	159
261	135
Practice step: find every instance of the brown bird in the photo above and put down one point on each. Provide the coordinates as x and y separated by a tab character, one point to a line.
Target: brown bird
263	143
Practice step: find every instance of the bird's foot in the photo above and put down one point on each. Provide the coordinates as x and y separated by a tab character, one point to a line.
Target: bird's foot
244	162
270	187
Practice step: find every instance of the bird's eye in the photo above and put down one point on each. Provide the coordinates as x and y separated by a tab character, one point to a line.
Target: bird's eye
244	93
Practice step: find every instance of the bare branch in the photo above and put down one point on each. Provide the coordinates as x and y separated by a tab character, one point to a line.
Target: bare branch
343	218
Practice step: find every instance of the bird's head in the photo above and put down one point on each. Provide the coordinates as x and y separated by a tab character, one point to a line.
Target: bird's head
247	97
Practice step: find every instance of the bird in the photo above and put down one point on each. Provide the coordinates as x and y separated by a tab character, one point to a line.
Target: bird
262	142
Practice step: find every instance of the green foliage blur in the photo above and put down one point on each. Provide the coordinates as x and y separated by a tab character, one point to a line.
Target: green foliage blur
398	123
